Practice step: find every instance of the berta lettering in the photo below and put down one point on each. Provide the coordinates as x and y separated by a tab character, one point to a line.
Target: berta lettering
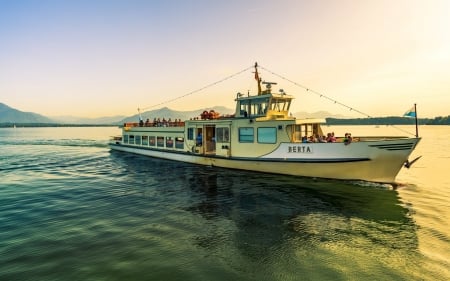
299	149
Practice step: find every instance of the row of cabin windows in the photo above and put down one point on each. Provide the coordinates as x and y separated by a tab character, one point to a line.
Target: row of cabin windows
246	134
168	142
263	135
222	134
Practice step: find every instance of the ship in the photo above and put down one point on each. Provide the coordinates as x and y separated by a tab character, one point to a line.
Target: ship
262	136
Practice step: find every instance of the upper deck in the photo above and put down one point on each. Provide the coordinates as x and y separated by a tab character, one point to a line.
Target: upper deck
266	105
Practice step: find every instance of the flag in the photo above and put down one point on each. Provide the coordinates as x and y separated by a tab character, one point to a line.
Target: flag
411	112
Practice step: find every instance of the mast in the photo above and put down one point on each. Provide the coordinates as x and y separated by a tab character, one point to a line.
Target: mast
415	115
258	80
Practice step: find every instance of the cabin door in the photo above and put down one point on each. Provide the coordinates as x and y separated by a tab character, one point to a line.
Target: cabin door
209	139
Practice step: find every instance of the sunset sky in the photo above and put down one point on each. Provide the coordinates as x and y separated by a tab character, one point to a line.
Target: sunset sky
98	58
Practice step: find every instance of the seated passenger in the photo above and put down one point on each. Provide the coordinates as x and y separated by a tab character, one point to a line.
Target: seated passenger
331	137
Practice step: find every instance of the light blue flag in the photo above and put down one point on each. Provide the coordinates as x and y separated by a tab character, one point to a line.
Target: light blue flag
411	112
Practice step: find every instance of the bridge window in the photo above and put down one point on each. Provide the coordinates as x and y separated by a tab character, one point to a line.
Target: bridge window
246	134
267	135
280	104
254	107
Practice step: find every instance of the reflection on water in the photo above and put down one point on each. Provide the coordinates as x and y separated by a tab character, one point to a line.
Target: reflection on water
265	221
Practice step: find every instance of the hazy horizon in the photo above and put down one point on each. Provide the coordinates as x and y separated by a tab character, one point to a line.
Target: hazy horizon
107	58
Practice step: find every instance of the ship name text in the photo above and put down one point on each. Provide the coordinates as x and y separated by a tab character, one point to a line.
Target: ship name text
299	149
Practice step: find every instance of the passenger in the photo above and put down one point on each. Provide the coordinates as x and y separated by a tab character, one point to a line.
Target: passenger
348	138
322	139
199	139
147	122
141	122
304	139
155	123
332	138
311	139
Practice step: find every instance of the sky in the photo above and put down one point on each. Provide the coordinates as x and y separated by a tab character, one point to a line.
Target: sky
95	58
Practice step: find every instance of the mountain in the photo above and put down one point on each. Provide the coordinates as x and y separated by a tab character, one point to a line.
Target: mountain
318	114
80	120
11	115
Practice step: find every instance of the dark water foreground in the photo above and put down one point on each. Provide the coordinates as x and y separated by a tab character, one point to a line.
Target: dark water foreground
72	210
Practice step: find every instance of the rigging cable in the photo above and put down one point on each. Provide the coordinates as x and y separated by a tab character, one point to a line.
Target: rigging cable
317	93
328	98
200	89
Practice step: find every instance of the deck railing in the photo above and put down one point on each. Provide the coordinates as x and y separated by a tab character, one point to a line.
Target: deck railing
154	124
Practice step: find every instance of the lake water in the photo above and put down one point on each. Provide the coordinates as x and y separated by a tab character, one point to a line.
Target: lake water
71	209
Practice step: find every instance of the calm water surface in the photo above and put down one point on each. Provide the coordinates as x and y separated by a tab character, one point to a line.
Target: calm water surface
71	209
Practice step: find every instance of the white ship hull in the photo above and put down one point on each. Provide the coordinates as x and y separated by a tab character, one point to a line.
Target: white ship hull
374	161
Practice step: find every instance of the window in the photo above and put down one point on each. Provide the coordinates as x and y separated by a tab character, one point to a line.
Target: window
246	135
151	140
254	107
125	138
144	140
223	134
267	135
137	140
280	104
160	141
131	139
190	134
179	143
169	142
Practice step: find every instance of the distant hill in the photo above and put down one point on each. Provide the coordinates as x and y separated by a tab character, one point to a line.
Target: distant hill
11	115
80	120
318	114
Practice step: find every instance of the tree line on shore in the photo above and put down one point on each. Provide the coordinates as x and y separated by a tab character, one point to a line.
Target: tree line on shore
393	120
